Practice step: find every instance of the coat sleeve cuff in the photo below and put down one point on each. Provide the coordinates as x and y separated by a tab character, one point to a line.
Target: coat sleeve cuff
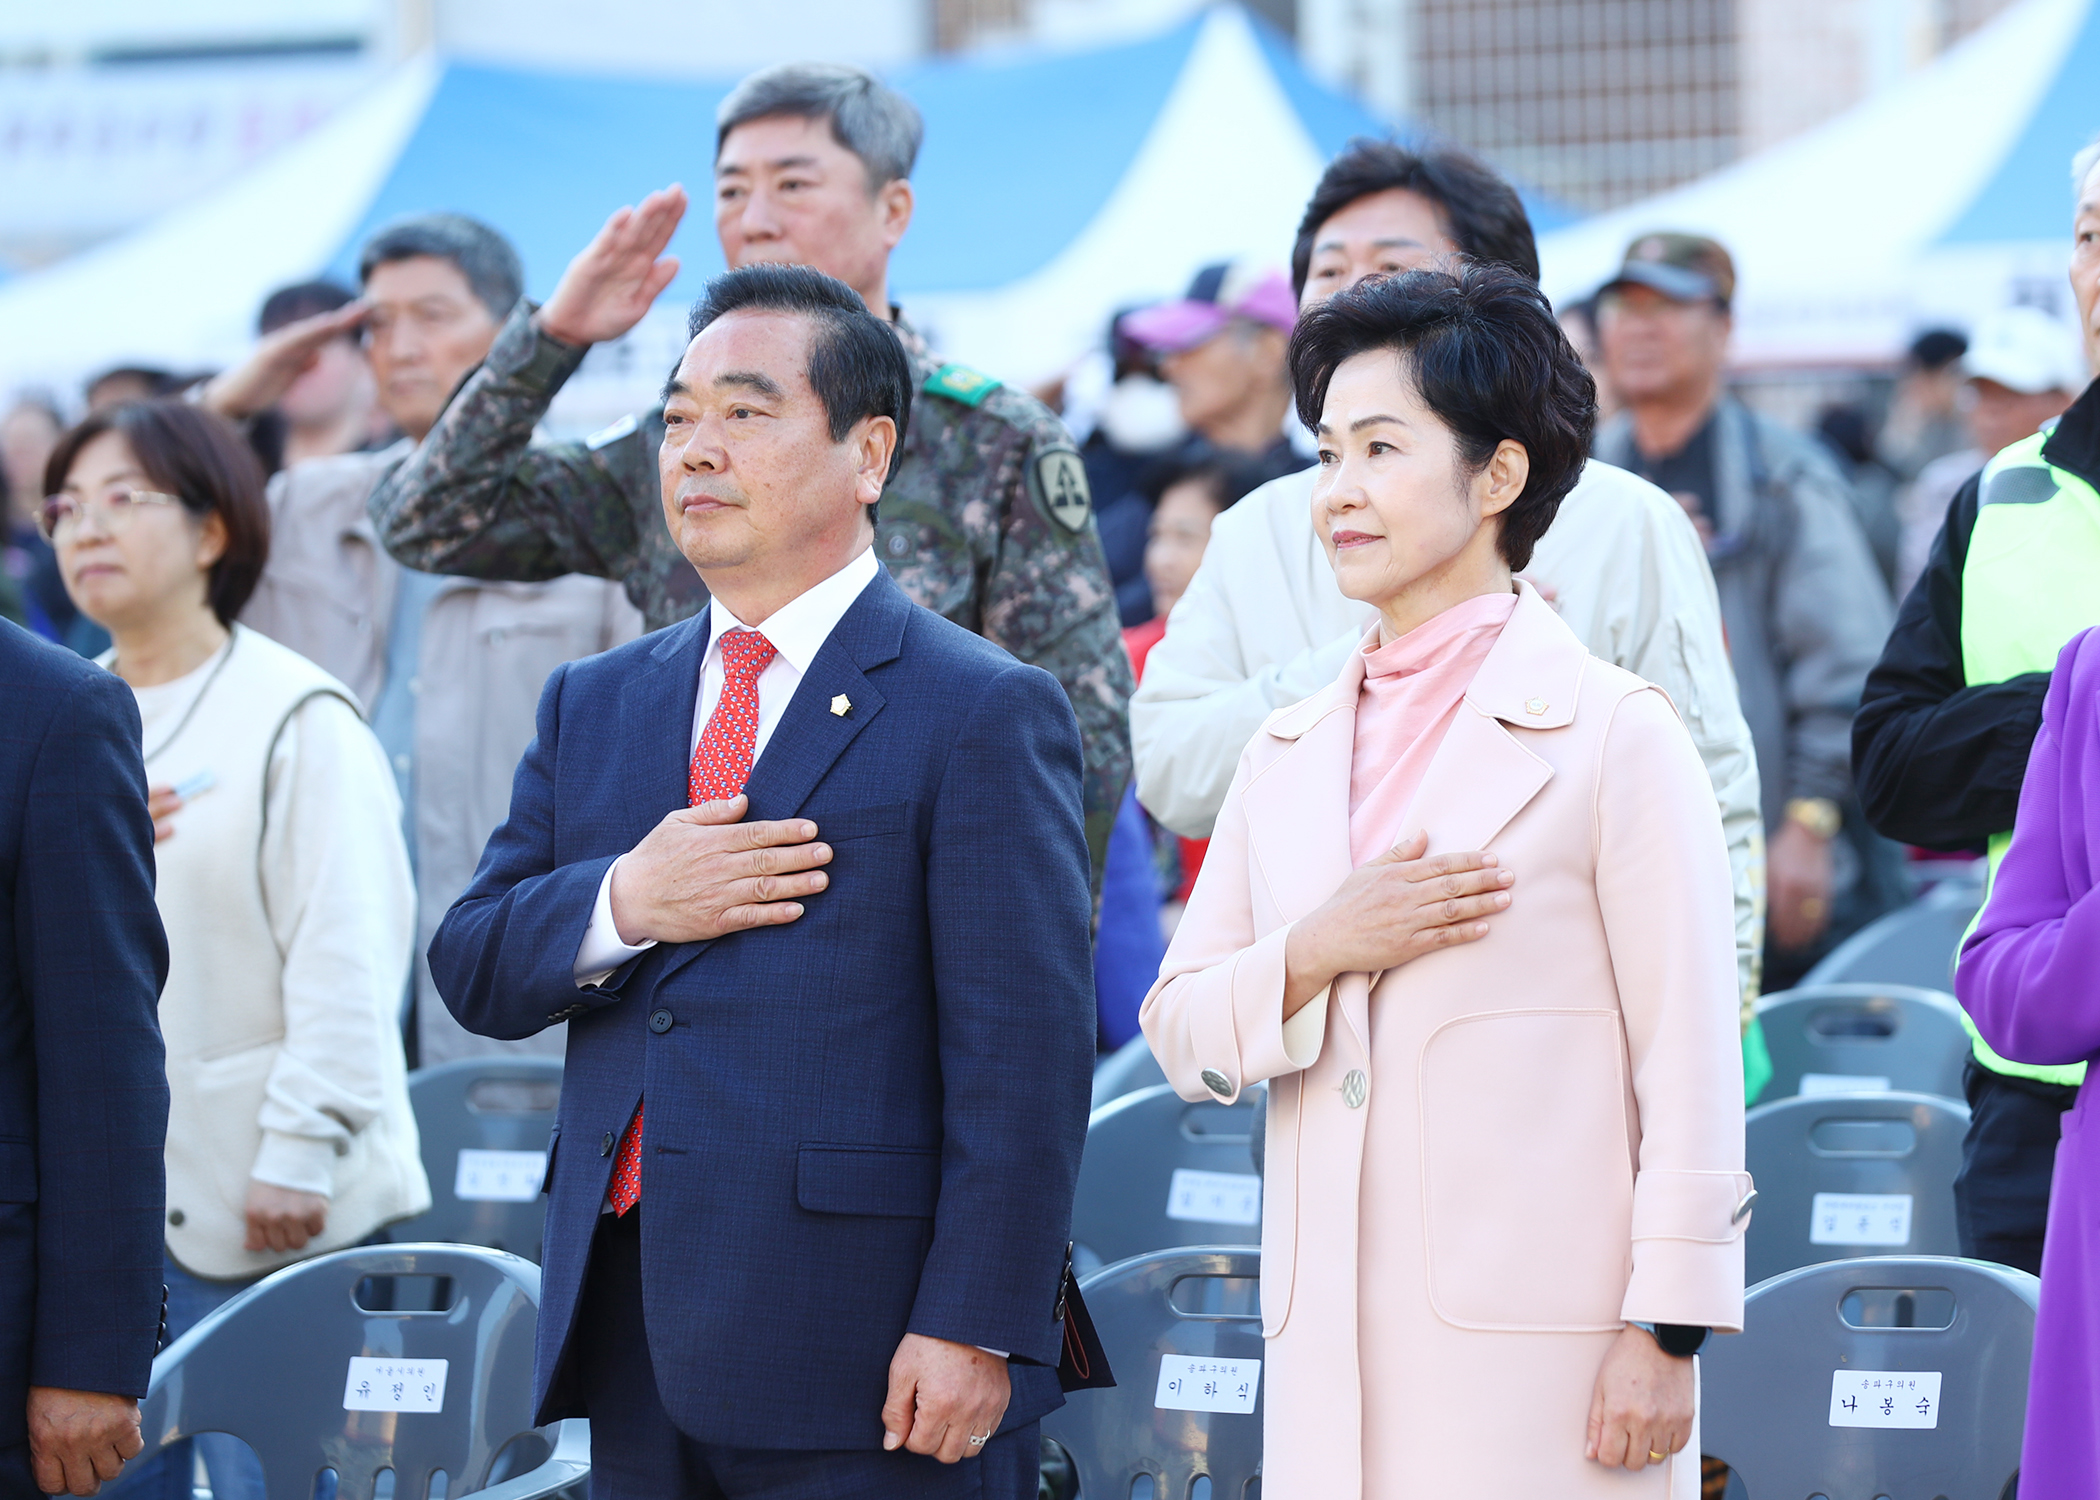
1241	1041
524	355
1688	1248
295	1161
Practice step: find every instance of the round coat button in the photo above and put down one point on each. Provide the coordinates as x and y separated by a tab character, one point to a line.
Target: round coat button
660	1022
605	1146
1354	1087
1216	1082
175	1217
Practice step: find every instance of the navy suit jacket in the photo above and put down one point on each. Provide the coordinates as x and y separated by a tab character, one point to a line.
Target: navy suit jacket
863	1123
83	1075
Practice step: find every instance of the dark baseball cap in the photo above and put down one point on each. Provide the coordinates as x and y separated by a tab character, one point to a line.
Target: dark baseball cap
1683	267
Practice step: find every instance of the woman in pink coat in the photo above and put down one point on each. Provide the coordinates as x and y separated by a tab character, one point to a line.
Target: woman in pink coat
1468	912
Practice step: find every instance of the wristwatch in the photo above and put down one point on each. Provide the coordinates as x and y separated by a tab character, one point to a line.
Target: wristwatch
1819	815
1681	1339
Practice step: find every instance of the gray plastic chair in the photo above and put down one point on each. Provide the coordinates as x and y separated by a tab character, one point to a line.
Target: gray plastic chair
1769	1393
1126	1070
1863	1038
1204	1305
1130	1198
484	1104
273	1368
1913	946
1900	1149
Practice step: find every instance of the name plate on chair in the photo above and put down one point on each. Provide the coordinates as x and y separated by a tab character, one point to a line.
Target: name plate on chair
1814	1084
1885	1398
1860	1219
1187	1383
1214	1197
395	1385
499	1176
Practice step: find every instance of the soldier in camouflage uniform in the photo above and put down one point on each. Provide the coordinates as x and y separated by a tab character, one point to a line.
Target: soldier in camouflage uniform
986	518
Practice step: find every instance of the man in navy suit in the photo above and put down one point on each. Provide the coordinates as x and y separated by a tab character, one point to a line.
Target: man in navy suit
83	1080
807	877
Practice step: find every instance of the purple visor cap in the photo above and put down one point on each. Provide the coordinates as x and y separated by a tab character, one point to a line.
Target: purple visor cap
1183	324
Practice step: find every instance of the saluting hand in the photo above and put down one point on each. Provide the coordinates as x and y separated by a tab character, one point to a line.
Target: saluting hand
1397	907
701	873
280	358
613	282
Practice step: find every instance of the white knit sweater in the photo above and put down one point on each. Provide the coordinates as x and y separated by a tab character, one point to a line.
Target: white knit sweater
289	909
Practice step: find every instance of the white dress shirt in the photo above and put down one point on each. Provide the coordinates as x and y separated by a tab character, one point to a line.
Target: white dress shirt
798	631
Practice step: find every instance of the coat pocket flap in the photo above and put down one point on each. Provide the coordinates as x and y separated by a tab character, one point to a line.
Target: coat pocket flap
899	1182
17	1172
1710	1208
861	822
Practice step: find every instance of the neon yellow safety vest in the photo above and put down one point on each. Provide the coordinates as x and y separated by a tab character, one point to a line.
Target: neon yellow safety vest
2031	582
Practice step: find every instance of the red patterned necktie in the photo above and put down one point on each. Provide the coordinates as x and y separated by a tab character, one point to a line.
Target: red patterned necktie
721	766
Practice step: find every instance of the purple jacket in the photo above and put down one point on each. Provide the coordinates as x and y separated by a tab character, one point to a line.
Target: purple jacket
2030	976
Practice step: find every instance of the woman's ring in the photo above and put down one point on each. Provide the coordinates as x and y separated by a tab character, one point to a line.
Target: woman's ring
1656	1458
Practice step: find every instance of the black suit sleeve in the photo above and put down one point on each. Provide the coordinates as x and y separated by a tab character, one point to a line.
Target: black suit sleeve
1939	763
93	959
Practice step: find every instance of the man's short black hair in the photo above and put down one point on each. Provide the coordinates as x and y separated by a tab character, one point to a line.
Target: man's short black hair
481	254
1937	348
1481	212
857	364
306	299
1485	354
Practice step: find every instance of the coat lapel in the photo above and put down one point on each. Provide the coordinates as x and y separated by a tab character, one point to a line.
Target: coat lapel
809	737
1482	775
656	726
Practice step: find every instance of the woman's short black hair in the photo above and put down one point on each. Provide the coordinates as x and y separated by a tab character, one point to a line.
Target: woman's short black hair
202	461
857	364
1485	354
1482	213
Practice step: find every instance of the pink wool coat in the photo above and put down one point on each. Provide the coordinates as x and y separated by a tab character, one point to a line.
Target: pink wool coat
1482	1163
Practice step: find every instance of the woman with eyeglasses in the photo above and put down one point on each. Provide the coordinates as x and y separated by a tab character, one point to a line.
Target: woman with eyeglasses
283	880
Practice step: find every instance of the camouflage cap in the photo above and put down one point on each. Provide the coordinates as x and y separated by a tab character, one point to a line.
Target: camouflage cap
1683	267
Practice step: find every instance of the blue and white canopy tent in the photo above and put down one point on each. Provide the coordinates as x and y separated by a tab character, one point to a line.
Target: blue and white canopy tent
1051	190
1937	202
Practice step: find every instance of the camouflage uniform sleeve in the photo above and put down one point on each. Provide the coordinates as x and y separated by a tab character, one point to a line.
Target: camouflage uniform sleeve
479	500
1048	600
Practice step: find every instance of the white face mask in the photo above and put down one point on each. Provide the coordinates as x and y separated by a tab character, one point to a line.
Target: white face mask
1142	414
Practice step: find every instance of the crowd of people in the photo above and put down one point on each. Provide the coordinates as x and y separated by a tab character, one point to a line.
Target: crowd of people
830	761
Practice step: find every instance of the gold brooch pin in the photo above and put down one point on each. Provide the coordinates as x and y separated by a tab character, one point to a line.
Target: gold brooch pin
842	705
1534	705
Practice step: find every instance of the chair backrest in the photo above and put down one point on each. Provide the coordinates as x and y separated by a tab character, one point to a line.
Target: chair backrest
1863	1038
302	1369
1160	1172
1913	946
1845	1175
1126	1070
484	1123
1887	1376
1182	1332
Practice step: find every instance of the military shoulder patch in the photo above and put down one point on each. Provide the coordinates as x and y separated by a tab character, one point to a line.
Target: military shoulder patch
1057	483
961	383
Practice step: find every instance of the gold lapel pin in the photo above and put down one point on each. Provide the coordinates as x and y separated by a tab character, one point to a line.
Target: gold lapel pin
1534	705
842	705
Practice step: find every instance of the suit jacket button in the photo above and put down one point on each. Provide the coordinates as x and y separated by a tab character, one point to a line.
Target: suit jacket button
1354	1087
660	1021
1216	1082
175	1217
605	1146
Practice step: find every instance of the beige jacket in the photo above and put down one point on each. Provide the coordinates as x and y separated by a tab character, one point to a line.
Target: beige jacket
1480	1163
486	651
285	891
1264	624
